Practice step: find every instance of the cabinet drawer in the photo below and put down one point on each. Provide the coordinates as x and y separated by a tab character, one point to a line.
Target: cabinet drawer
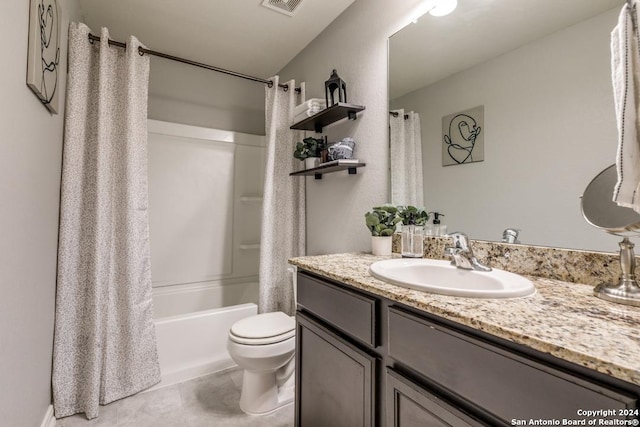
351	312
507	385
409	405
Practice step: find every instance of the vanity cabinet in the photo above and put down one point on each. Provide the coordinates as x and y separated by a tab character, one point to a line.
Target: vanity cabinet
364	360
408	404
336	372
503	383
335	380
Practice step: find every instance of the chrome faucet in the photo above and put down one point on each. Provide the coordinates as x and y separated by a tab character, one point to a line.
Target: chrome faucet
510	235
462	254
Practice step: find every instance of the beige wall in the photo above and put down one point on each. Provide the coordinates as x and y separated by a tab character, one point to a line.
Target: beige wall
30	162
356	45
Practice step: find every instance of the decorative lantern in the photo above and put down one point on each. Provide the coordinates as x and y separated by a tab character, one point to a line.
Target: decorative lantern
330	86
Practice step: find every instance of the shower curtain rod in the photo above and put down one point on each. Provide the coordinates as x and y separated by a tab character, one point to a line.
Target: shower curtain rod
396	114
142	51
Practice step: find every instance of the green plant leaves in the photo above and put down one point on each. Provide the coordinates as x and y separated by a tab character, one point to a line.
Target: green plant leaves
382	220
309	147
411	215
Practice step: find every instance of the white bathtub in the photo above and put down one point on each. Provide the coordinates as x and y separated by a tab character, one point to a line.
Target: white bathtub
194	343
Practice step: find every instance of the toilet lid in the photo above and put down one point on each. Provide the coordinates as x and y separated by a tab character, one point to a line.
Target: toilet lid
266	325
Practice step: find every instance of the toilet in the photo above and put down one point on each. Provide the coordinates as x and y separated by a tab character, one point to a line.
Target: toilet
264	345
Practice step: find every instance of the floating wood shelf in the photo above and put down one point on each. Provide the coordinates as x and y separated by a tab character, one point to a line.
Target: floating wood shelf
328	116
317	172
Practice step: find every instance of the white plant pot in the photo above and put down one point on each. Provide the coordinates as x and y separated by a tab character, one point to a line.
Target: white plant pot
311	162
381	245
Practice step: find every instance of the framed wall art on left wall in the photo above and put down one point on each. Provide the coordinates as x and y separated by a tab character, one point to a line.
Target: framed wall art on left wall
43	59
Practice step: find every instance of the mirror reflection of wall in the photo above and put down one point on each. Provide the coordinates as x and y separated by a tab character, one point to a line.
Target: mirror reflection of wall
542	71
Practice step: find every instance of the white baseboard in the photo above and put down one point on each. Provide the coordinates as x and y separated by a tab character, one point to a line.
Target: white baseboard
187	374
49	420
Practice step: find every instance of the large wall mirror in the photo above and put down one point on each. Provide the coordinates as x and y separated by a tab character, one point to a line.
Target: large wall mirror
541	70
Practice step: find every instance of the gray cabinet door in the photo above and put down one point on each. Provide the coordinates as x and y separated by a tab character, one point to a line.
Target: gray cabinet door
409	405
335	380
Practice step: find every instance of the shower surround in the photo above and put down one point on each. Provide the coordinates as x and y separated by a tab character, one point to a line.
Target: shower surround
205	202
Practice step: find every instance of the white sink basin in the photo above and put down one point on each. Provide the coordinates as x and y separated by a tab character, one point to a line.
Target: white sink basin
440	277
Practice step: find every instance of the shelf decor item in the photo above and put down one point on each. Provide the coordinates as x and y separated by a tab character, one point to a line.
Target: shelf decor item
310	150
413	220
341	149
381	222
43	56
330	86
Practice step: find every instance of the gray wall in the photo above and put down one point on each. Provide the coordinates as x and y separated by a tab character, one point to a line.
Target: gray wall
185	94
182	93
549	128
356	45
30	162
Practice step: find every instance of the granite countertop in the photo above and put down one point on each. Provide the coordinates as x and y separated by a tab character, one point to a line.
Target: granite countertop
562	319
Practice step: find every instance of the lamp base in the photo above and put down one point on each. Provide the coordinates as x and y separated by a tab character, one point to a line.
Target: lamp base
624	292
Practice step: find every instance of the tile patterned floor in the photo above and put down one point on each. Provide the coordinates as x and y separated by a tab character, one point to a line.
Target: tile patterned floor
210	401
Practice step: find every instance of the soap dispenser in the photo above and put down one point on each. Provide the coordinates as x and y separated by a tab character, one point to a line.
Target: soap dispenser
436	229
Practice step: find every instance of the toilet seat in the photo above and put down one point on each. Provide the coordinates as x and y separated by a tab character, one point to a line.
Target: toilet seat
262	329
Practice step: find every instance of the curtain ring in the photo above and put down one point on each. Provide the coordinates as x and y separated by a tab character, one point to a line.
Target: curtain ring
140	51
286	88
270	84
90	39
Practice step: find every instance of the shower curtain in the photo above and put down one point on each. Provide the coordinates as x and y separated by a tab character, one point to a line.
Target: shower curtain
406	159
104	343
283	209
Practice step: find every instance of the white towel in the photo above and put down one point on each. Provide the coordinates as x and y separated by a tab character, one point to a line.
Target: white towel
313	103
306	113
625	66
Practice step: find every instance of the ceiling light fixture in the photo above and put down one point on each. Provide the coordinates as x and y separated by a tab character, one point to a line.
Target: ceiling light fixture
443	7
435	8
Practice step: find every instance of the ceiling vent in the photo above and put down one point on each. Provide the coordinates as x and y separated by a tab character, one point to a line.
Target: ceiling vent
287	7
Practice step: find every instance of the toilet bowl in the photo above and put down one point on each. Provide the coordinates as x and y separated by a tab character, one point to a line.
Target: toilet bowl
264	346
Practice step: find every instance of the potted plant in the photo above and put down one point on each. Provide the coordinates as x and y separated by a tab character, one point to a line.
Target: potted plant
413	220
381	222
309	150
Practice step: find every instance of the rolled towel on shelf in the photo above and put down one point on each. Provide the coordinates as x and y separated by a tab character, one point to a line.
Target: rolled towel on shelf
306	113
313	103
625	69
